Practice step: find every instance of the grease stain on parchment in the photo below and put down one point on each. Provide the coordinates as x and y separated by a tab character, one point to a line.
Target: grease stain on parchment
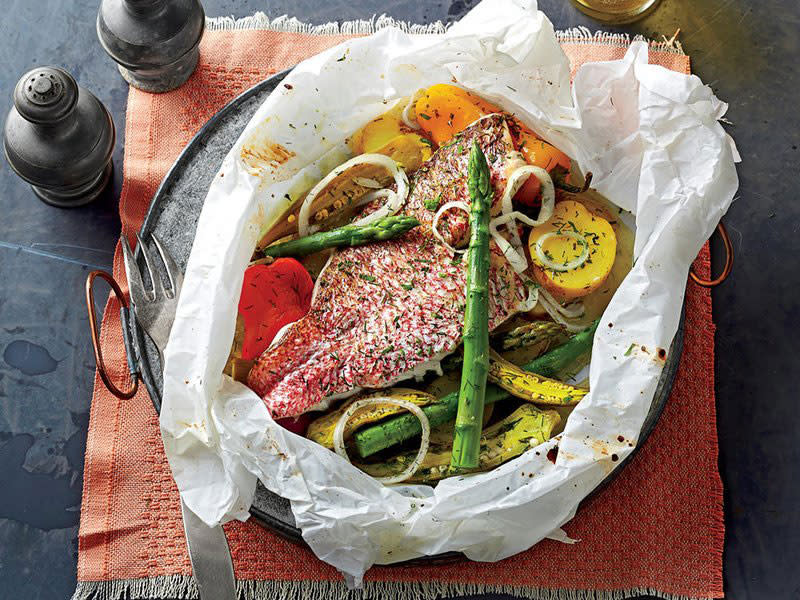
260	153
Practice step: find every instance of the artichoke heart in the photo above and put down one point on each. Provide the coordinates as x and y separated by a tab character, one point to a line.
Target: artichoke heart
522	429
530	386
321	430
541	334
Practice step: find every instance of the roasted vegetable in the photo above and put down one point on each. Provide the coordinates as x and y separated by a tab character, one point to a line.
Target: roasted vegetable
522	429
387	134
332	205
572	252
596	302
398	429
347	235
524	384
321	429
539	153
443	434
466	439
530	386
272	296
534	333
444	110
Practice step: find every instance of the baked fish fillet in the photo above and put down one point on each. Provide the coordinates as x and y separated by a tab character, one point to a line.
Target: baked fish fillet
390	311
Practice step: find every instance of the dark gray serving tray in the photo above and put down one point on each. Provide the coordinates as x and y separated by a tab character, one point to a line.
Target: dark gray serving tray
173	216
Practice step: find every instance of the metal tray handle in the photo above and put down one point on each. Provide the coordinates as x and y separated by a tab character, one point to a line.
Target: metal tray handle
723	233
125	318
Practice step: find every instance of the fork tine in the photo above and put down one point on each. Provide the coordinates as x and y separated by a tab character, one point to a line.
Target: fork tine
173	270
139	295
155	278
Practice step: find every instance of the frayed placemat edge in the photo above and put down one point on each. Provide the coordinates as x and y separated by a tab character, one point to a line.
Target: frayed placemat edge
185	588
286	24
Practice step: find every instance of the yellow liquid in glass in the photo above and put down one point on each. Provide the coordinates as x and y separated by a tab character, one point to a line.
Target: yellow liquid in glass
616	11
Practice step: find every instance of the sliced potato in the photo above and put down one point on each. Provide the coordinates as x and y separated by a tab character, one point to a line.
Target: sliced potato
389	135
572	221
408	150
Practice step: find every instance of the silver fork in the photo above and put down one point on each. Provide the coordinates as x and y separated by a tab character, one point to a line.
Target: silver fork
154	308
155	312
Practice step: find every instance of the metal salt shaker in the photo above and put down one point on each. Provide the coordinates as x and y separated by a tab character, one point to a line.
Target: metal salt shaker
59	138
155	42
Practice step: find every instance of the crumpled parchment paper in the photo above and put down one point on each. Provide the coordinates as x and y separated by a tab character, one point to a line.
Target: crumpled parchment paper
652	139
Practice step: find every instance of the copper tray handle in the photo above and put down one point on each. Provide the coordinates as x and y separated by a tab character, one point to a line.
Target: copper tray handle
98	355
723	233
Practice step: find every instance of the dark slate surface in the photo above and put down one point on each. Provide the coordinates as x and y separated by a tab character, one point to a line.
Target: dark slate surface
746	50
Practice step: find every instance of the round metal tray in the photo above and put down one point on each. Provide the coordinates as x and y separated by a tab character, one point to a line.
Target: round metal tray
173	216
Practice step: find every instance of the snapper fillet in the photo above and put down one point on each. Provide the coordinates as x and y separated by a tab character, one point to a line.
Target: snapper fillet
390	311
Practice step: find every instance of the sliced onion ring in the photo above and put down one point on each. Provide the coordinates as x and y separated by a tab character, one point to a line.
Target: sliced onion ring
435	225
571	311
515	255
412	101
554	309
338	433
394	202
515	181
381	212
533	296
513	250
551	264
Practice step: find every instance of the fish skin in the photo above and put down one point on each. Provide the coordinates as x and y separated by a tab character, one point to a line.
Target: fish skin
383	312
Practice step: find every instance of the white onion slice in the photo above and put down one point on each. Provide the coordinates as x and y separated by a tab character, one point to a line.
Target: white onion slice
571	311
338	433
435	225
554	309
533	296
517	259
406	116
394	203
513	250
515	255
576	262
515	181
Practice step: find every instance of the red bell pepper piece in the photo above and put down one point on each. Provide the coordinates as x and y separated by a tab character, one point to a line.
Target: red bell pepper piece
273	295
298	424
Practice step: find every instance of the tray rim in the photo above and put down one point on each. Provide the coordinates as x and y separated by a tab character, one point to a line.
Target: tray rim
286	530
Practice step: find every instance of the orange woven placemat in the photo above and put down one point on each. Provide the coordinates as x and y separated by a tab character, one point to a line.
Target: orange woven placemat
657	528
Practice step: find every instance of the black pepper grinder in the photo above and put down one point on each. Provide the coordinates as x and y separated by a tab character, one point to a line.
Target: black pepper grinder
59	138
155	42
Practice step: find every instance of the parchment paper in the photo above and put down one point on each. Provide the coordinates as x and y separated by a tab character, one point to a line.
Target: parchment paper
652	139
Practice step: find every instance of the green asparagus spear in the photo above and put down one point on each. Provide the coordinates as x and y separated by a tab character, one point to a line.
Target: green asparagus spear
398	429
469	416
348	235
